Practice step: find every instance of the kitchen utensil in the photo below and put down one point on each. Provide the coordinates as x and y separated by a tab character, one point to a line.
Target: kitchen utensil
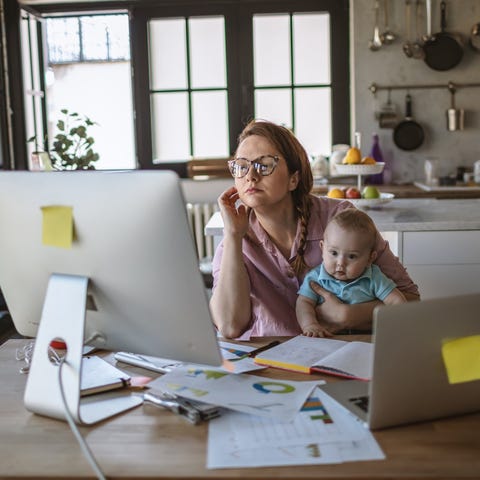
387	116
417	46
387	37
455	116
408	134
376	42
444	50
407	45
474	40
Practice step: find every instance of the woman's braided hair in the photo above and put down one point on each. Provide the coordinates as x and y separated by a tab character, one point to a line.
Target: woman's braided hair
296	157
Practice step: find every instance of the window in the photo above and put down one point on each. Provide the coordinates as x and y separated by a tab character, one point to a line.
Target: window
211	67
202	69
188	88
87	71
88	38
292	79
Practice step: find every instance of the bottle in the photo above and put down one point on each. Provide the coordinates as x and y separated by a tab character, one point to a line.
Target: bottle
376	153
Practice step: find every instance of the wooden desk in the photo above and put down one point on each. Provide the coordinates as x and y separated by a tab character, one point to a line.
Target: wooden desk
151	443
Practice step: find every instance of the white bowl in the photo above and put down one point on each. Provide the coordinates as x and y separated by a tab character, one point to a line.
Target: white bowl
359	168
372	202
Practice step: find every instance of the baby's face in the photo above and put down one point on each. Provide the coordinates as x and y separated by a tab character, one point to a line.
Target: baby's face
346	254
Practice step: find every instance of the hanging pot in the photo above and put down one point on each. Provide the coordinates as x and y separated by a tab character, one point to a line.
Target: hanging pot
443	50
408	134
387	116
475	38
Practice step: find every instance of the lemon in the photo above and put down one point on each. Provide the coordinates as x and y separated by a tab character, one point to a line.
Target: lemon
336	193
353	156
368	161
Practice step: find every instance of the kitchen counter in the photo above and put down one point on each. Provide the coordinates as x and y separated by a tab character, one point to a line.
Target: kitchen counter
427	215
403	214
410	191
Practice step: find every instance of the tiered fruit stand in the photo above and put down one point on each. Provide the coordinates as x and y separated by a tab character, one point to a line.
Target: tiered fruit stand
361	170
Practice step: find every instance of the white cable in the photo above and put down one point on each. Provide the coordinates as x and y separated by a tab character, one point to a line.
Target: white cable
83	445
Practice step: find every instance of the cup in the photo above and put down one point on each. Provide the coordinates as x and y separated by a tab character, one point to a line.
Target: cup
476	171
431	172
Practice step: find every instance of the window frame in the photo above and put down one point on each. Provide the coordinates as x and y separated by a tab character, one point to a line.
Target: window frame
239	61
239	58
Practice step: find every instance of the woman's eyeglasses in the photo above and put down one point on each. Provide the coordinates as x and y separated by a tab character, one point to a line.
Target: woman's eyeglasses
264	165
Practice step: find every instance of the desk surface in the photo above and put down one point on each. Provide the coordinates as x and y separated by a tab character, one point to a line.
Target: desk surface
148	442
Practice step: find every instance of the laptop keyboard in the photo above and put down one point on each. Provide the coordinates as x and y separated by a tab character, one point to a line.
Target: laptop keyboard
360	402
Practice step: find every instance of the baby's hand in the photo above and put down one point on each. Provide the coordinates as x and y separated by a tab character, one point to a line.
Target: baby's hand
316	331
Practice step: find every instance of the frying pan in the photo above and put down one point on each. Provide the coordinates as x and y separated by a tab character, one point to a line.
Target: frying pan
443	50
408	134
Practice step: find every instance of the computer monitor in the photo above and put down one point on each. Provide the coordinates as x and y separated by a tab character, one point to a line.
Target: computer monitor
106	256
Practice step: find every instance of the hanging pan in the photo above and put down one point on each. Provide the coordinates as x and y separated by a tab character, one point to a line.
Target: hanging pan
408	134
443	50
474	41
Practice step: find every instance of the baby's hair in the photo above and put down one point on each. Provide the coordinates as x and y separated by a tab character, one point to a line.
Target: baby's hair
355	220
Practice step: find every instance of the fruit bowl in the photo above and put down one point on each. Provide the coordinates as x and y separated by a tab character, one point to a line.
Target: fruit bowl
359	168
372	202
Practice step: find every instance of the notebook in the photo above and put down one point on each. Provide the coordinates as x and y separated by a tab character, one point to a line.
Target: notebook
325	355
410	381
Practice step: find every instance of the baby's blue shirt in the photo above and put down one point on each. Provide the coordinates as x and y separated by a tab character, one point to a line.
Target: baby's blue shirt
371	285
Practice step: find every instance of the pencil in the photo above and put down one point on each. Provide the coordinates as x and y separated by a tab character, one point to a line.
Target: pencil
255	352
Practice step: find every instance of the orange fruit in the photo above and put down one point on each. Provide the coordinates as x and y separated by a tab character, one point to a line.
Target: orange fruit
368	161
336	193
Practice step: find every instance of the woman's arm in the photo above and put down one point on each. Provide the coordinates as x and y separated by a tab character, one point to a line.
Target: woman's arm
230	302
394	297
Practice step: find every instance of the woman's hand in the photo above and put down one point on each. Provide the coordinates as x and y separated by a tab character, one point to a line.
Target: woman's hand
336	315
331	310
235	216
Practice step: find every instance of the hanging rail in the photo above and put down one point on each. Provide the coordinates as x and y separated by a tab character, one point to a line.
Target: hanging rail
374	87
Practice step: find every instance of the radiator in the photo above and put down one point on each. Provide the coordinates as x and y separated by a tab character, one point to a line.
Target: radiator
198	216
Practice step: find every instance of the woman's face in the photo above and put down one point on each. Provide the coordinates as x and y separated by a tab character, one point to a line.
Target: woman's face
257	191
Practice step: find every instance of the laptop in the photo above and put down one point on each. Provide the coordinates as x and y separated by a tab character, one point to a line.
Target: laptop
409	380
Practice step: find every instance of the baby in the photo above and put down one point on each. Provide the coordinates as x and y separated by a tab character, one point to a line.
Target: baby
347	270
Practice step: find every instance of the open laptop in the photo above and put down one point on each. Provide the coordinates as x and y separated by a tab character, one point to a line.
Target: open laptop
409	380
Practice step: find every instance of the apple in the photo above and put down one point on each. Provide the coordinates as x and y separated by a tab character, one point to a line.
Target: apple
353	192
370	192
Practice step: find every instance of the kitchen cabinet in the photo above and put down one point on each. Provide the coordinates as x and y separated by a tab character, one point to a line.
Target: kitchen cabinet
442	263
438	241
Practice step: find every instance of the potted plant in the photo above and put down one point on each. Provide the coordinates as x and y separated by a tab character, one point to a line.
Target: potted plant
39	158
72	145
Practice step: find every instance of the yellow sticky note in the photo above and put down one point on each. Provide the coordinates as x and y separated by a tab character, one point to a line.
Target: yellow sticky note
462	359
57	226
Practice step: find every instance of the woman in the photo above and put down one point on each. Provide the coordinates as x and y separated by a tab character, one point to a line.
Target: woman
272	227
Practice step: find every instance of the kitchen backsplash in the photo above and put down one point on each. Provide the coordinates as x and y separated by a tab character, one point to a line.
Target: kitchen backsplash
389	65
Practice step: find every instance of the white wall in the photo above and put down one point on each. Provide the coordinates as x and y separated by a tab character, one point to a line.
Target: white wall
389	65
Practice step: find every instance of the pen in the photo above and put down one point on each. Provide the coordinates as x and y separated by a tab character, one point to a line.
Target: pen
139	361
255	352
